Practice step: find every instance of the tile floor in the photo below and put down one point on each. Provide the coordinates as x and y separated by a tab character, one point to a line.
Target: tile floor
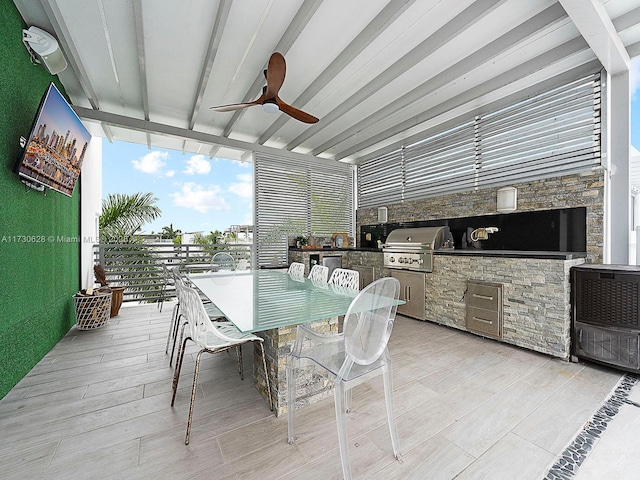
98	406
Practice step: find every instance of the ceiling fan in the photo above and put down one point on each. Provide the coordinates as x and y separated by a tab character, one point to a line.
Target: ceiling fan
269	99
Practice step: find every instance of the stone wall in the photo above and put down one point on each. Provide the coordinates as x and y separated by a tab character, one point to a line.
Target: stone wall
578	190
536	297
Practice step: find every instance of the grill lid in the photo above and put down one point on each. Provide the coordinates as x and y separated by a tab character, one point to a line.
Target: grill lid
421	238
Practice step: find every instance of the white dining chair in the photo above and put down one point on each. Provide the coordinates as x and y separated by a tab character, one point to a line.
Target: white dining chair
319	273
342	277
350	358
243	264
211	337
296	270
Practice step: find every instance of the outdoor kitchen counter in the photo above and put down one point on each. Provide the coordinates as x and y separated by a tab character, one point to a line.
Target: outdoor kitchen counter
513	254
536	289
536	297
335	249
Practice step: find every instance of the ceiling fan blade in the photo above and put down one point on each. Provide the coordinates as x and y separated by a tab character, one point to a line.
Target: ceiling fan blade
295	113
276	70
237	106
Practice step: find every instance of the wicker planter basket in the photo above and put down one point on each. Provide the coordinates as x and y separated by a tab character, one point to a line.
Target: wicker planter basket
92	311
116	300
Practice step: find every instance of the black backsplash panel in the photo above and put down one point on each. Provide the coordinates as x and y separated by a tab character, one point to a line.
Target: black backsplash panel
561	230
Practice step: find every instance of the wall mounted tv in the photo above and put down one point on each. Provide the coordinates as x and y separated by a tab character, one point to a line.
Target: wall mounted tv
56	146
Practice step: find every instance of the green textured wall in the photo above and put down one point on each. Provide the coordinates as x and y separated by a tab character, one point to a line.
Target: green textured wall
37	279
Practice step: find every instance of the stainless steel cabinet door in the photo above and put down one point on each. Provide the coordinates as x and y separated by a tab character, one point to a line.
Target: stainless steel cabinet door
412	291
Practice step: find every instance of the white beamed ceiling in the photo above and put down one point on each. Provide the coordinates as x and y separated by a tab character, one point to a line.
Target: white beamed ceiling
376	72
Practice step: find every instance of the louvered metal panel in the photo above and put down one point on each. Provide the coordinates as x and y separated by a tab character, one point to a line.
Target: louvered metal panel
554	133
297	197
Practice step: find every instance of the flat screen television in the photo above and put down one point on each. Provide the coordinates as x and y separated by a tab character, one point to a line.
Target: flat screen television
56	146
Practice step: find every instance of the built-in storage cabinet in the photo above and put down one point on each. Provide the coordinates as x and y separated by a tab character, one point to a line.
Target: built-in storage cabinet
484	308
366	274
412	291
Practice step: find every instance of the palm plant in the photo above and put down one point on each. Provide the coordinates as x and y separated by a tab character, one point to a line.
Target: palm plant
123	215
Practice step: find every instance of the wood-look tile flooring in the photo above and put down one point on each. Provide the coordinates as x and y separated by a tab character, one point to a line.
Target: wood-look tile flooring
98	406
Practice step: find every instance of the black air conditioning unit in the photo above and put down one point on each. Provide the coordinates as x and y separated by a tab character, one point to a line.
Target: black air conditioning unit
605	315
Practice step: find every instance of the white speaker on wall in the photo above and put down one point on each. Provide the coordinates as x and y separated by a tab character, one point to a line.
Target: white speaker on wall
44	49
507	199
382	214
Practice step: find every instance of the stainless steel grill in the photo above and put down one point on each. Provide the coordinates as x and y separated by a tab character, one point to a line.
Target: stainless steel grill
412	248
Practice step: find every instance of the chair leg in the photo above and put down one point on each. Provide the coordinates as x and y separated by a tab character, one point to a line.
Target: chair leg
388	396
291	398
340	394
240	366
176	373
266	375
193	395
177	325
161	299
174	319
347	399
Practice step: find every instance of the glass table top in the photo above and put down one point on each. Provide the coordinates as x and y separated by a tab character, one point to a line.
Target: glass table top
256	300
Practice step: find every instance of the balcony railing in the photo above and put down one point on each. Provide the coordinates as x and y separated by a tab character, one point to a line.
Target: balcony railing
139	267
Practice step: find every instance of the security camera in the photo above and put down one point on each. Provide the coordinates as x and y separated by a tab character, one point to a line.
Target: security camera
44	49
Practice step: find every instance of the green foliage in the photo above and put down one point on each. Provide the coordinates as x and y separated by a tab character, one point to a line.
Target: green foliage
124	214
169	233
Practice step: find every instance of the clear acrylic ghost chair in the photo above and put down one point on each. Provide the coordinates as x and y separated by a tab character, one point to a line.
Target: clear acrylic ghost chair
223	261
211	337
355	355
345	278
296	270
319	273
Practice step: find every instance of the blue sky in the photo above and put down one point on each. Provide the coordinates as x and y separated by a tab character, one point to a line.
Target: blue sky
635	103
194	192
197	193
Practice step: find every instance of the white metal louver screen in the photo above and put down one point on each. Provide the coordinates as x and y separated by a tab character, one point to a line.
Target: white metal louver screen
550	134
380	180
554	133
298	197
441	160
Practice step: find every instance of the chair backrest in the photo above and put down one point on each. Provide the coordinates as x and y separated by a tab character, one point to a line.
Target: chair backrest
319	273
369	320
223	261
243	264
296	270
345	278
200	324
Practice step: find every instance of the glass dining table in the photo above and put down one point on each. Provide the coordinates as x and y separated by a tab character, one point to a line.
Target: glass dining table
271	303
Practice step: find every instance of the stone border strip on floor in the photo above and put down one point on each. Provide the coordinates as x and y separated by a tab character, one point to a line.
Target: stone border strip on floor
569	462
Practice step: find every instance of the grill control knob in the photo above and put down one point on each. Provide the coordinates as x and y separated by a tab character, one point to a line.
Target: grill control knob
392	259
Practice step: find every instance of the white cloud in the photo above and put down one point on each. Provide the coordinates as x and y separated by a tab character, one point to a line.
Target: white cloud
170	173
199	198
243	188
152	162
198	165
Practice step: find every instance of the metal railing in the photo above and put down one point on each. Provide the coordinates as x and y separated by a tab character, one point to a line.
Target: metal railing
139	267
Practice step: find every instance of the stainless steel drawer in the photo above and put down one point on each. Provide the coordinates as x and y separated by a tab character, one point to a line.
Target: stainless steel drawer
484	308
485	322
484	295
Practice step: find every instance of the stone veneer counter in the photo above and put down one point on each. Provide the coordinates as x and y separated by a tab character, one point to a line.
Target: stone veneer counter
536	294
536	290
515	254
